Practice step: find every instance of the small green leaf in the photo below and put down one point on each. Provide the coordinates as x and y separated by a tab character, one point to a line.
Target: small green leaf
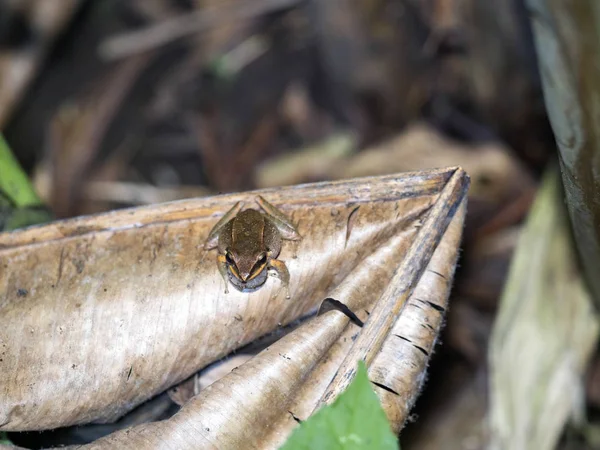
355	421
14	183
20	206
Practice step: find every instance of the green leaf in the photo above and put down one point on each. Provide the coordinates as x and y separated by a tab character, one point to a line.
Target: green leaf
13	181
355	421
19	204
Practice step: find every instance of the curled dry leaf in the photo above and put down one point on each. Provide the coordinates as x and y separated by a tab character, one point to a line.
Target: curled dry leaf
140	306
259	404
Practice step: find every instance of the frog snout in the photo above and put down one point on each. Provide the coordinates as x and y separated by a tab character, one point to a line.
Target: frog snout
244	275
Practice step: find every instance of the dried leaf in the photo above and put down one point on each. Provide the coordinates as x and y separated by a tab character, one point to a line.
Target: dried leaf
311	163
498	178
277	387
496	175
544	334
164	311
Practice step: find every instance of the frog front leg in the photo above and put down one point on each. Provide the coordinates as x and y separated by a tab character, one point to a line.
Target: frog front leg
222	265
282	273
280	220
213	237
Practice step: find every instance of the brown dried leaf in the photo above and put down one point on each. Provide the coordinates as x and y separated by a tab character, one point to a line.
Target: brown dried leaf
498	178
312	163
259	404
496	174
143	276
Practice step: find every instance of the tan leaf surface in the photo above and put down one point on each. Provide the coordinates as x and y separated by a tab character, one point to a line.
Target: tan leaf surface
119	307
258	404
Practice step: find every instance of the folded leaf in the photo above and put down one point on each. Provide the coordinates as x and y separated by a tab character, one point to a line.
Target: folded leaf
140	306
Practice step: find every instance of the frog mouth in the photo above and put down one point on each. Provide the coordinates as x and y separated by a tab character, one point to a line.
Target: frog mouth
251	284
256	271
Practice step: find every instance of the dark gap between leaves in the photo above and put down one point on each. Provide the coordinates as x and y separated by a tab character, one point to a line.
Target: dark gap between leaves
331	304
296	418
385	388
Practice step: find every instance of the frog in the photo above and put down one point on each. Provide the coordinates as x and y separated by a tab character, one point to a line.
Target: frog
248	243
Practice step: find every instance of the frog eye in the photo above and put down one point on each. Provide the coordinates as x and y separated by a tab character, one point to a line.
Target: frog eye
259	266
229	258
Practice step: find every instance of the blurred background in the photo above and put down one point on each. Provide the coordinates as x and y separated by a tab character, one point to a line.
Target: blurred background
113	103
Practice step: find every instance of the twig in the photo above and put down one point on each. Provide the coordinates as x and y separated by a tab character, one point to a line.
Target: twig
126	44
139	194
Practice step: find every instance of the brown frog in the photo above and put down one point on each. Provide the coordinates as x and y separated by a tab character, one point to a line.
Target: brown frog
248	244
